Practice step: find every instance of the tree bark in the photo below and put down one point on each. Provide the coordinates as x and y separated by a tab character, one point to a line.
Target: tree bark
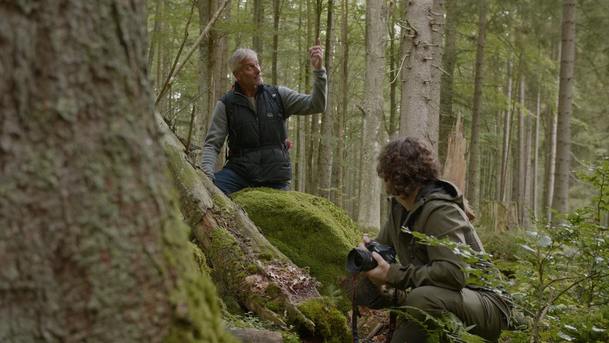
339	163
560	203
417	113
257	41
91	237
473	180
370	184
449	58
507	123
276	17
326	142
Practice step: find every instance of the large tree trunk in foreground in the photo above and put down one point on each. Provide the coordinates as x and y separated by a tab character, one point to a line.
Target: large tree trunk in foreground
91	244
245	265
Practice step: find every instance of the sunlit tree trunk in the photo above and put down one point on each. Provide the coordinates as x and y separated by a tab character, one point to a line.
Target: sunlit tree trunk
505	155
560	203
370	185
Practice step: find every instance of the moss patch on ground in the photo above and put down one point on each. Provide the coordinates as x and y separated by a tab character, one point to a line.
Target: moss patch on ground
330	324
310	230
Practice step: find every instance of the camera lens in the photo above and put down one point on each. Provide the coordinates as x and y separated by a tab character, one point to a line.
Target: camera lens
360	261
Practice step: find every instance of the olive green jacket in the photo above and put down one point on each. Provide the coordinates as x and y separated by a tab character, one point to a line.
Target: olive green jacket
439	212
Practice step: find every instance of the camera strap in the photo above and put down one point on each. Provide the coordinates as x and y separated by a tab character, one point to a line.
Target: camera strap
354	308
355	312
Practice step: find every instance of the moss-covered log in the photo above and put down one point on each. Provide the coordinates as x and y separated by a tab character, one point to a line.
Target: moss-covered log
245	266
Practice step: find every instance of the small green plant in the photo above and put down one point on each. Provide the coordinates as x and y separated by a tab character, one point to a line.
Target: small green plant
564	270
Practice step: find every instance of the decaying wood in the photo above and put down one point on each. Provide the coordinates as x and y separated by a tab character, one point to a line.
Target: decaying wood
244	264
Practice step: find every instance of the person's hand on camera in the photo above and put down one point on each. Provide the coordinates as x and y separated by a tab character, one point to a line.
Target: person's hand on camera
378	275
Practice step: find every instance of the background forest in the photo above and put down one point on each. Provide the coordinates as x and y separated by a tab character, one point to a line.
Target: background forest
479	79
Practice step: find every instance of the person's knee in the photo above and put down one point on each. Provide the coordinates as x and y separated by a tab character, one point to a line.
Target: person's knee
425	299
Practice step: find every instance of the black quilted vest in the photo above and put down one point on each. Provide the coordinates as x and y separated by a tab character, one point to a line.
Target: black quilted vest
256	138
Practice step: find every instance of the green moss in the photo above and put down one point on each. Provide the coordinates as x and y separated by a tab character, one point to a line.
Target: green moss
289	337
196	311
330	324
310	230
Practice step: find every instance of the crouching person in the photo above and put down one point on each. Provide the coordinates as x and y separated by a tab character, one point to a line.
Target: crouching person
434	275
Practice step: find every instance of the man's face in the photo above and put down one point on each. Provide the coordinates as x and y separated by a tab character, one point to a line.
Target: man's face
249	75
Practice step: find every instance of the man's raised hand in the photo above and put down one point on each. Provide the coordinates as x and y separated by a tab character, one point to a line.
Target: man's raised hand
316	55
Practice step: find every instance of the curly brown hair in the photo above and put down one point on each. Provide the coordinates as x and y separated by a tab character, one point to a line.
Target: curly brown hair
405	164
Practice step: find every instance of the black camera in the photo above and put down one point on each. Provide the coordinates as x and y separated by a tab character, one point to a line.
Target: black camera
360	260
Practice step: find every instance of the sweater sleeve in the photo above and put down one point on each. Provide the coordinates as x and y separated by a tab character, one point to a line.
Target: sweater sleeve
216	135
443	268
299	104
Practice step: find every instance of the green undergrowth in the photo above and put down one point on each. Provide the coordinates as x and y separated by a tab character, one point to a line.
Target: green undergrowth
310	230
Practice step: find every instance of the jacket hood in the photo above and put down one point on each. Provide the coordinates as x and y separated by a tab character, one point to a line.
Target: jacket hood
436	190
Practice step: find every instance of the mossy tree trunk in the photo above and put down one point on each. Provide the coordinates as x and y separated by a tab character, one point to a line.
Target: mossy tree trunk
245	266
91	244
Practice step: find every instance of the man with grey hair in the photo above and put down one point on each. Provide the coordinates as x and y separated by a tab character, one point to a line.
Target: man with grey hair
253	117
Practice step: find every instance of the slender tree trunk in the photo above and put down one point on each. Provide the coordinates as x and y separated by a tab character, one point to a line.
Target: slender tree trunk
276	17
550	165
560	203
326	146
302	127
370	185
315	125
473	180
535	172
449	58
339	163
505	155
522	166
257	39
394	66
203	117
416	110
91	236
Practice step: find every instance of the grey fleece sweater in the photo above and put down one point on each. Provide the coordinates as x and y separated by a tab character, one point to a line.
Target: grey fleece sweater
293	103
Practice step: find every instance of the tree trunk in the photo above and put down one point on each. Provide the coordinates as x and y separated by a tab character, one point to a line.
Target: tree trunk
417	114
370	185
507	124
473	180
314	136
549	165
92	246
276	17
394	65
449	58
560	203
203	117
437	53
339	163
257	41
326	146
535	171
